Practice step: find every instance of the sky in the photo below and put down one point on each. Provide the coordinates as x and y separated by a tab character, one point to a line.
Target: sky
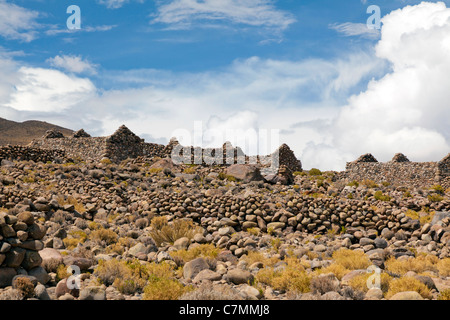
313	71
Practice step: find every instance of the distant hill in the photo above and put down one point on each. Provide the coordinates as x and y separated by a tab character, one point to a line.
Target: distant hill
21	133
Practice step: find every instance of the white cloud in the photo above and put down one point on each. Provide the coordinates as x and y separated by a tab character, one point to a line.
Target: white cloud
44	90
350	29
54	31
115	4
260	13
71	63
406	110
17	23
250	93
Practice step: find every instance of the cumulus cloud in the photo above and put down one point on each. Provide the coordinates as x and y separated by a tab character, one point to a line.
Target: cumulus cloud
17	23
72	63
260	13
406	110
251	93
46	90
398	96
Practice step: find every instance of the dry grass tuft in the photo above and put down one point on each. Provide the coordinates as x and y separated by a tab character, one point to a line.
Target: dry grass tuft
208	291
351	259
291	277
443	267
408	284
419	264
203	250
360	282
163	232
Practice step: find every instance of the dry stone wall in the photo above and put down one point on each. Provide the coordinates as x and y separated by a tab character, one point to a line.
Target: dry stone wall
30	153
20	241
400	171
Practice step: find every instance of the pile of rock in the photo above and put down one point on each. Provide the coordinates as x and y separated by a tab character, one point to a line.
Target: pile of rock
400	157
287	158
53	134
20	241
368	157
81	134
123	144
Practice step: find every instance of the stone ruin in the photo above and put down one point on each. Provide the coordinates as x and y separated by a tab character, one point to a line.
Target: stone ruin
399	171
20	241
123	144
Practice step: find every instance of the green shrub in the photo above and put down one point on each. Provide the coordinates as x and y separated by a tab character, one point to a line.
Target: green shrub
163	232
315	172
435	197
382	197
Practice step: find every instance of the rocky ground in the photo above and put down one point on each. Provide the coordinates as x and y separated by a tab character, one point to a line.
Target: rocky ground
147	229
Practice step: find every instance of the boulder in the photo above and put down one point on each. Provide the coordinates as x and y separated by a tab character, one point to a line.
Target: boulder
239	276
6	276
245	173
407	295
93	293
192	268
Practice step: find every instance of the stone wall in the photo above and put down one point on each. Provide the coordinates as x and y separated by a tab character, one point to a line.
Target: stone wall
75	148
20	241
124	144
400	171
30	153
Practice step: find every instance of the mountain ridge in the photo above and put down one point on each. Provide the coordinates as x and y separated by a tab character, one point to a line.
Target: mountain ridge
22	133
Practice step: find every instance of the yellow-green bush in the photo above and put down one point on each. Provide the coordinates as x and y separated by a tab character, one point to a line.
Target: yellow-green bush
164	289
444	295
443	267
408	284
132	276
419	264
106	235
203	250
162	231
351	259
292	277
359	282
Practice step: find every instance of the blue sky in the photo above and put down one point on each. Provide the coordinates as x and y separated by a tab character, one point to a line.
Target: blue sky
156	66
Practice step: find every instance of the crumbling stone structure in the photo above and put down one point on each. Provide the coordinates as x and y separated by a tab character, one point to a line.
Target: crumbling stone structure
124	144
400	171
20	241
31	153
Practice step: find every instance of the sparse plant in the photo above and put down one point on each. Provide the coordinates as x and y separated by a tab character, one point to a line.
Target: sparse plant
315	172
291	277
369	183
408	284
354	183
351	259
104	235
162	231
444	295
380	196
203	250
438	189
25	286
359	282
208	291
435	197
418	264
